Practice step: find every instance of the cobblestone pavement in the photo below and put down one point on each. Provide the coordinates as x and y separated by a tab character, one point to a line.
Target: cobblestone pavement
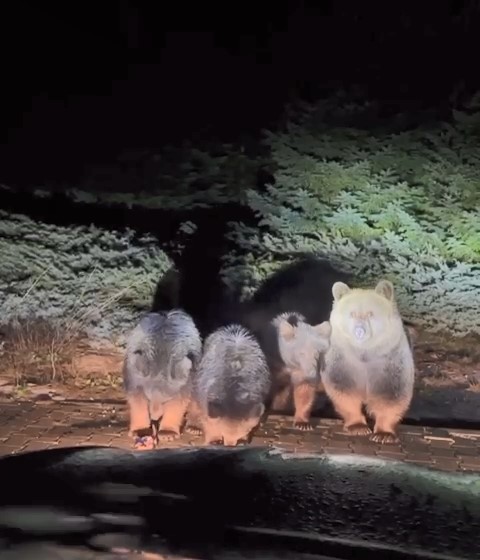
29	426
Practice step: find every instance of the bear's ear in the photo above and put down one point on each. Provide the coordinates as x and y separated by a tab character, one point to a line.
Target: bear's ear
323	329
257	410
339	289
183	368
385	289
286	330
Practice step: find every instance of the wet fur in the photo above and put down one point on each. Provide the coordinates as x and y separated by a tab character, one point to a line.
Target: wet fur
162	352
230	387
377	371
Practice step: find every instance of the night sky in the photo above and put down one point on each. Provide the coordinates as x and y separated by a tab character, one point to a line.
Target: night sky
85	81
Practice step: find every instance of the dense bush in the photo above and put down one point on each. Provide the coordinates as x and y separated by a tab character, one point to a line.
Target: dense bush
378	197
92	280
184	177
402	204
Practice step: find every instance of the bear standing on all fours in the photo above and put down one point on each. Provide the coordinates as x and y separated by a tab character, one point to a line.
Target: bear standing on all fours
230	387
162	353
369	361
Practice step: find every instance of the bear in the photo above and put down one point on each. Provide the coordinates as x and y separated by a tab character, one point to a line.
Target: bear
369	361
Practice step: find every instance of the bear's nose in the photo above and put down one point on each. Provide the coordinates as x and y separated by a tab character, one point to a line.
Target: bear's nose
360	332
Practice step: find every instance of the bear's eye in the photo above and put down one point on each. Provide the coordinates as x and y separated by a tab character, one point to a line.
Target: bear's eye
370	314
353	314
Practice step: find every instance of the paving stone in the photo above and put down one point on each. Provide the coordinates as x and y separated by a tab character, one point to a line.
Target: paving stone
324	434
418	458
411	439
338	444
466	441
289	436
48	439
33	431
315	438
416	449
58	431
28	426
470	462
125	441
17	441
411	430
442	451
76	438
36	414
330	422
276	417
441	443
34	445
69	443
337	433
393	448
8	449
446	463
364	447
45	422
390	447
336	451
462	451
393	456
288	446
59	417
5	431
100	439
114	430
439	433
471	435
290	431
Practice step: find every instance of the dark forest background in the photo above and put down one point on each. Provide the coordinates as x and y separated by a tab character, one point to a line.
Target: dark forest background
84	81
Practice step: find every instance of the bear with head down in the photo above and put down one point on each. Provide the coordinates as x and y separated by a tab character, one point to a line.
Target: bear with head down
369	361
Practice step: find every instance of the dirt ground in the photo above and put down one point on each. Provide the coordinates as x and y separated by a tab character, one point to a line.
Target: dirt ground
448	362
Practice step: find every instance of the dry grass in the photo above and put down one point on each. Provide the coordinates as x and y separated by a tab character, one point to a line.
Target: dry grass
444	361
465	348
36	350
40	351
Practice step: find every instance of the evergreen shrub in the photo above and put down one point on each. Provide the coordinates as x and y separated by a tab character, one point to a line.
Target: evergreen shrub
90	279
398	202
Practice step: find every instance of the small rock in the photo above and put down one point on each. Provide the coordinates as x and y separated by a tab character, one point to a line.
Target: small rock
40	392
42	397
58	397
